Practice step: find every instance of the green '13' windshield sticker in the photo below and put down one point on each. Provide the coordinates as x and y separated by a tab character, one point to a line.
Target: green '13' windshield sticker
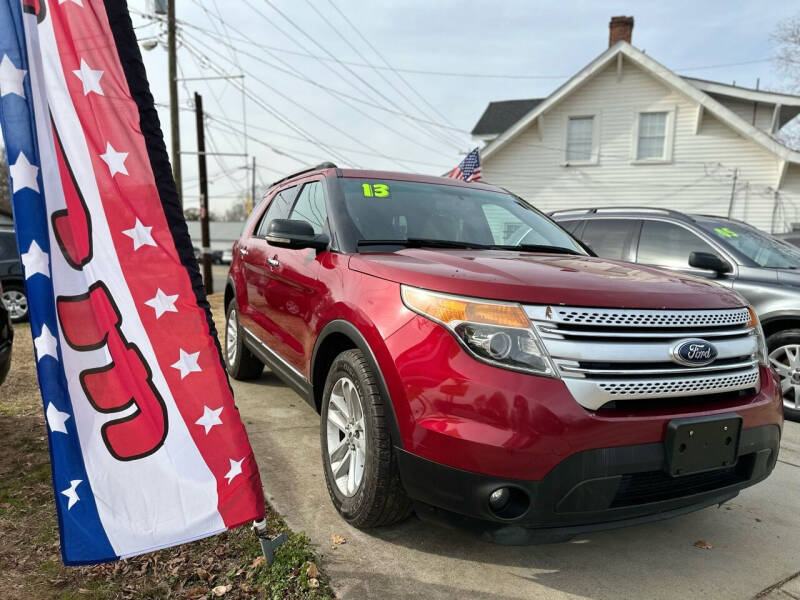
378	190
725	232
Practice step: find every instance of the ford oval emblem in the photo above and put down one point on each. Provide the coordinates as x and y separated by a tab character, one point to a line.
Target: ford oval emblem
694	353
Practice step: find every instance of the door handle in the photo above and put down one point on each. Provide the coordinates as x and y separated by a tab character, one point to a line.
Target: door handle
273	262
243	251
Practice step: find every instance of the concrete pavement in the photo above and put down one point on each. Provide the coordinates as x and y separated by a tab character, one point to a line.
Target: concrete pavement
755	538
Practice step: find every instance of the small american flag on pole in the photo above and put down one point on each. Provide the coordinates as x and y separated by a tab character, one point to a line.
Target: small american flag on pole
468	169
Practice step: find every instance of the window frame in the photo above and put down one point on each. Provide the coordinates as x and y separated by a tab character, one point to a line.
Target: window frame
669	135
594	157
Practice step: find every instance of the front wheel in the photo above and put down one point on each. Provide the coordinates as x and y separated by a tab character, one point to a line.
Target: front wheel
16	302
784	355
360	463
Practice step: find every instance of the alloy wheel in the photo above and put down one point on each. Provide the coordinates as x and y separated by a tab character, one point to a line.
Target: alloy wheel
16	303
231	337
347	442
786	360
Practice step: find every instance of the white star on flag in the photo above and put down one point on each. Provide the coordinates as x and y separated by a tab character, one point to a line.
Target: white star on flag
78	2
187	363
90	79
35	260
11	78
236	469
23	174
56	419
140	235
162	303
46	344
210	418
71	493
115	160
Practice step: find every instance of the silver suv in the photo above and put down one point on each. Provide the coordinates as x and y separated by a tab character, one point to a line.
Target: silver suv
763	270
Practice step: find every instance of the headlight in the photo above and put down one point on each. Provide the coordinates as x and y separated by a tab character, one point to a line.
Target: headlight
497	333
762	354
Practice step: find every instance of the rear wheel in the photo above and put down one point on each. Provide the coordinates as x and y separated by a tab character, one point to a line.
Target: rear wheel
784	355
240	362
359	460
16	302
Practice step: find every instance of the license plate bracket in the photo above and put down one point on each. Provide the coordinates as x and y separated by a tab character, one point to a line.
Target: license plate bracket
698	444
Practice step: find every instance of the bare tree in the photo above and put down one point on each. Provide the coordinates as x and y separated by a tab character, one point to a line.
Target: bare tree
237	212
786	38
5	195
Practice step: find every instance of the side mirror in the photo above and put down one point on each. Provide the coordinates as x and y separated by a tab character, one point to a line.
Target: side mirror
709	262
291	233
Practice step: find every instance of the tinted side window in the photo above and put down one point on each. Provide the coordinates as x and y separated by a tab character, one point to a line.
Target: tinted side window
310	206
8	246
570	226
277	209
668	245
609	237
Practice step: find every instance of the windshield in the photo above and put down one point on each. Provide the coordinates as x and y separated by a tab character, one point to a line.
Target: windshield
759	247
386	210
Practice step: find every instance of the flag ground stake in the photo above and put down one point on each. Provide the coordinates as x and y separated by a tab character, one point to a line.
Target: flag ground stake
268	544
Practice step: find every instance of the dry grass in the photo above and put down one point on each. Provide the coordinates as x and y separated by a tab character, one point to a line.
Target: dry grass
30	563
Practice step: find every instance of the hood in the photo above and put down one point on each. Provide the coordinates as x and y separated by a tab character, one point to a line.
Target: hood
535	278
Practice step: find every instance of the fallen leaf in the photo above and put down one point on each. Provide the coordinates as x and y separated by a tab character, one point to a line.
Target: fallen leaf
758	520
313	582
258	562
194	593
312	571
221	590
202	574
703	545
337	540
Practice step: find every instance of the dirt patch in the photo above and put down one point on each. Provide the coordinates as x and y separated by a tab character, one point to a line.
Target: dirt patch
227	565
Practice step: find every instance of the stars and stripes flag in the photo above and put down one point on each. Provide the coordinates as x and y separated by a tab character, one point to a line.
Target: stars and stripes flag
468	169
147	447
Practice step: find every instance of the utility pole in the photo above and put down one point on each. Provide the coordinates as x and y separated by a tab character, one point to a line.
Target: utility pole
253	191
201	163
175	128
733	193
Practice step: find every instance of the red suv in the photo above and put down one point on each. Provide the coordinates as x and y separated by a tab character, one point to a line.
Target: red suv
529	391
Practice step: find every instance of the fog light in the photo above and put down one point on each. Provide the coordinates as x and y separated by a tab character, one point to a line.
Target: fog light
499	498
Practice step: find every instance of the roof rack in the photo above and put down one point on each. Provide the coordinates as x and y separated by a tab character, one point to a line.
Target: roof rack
319	167
596	209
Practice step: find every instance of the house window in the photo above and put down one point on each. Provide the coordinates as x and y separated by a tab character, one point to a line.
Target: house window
580	139
652	137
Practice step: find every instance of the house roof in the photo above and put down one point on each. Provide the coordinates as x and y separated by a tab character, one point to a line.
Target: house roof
501	115
692	90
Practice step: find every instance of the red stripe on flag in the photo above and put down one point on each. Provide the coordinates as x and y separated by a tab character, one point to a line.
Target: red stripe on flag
83	34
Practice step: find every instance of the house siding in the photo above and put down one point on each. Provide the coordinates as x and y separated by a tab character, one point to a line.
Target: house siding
697	179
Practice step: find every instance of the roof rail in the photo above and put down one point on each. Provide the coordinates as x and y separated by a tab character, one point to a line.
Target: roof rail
596	209
319	167
721	217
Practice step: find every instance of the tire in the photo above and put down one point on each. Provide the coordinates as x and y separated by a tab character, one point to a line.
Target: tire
240	362
784	353
377	498
16	302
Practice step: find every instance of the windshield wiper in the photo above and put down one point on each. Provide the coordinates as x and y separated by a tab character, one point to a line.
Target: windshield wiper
424	243
540	248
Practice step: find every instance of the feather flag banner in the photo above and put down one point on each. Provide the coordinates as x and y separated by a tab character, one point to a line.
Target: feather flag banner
147	447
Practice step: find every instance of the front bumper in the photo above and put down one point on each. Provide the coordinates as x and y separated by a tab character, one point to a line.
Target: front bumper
589	491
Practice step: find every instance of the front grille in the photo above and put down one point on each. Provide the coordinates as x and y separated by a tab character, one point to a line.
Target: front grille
606	355
657	486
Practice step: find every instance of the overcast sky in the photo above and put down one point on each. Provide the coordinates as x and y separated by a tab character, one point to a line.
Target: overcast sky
547	41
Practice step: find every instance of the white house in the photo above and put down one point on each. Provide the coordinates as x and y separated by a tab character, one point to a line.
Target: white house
626	130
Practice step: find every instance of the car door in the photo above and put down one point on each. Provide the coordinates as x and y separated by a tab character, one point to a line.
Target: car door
294	289
256	271
668	245
610	238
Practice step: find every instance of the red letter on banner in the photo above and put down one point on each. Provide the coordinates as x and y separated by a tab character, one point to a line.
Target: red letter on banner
91	321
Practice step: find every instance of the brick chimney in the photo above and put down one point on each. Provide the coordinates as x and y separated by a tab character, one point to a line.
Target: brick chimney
620	28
